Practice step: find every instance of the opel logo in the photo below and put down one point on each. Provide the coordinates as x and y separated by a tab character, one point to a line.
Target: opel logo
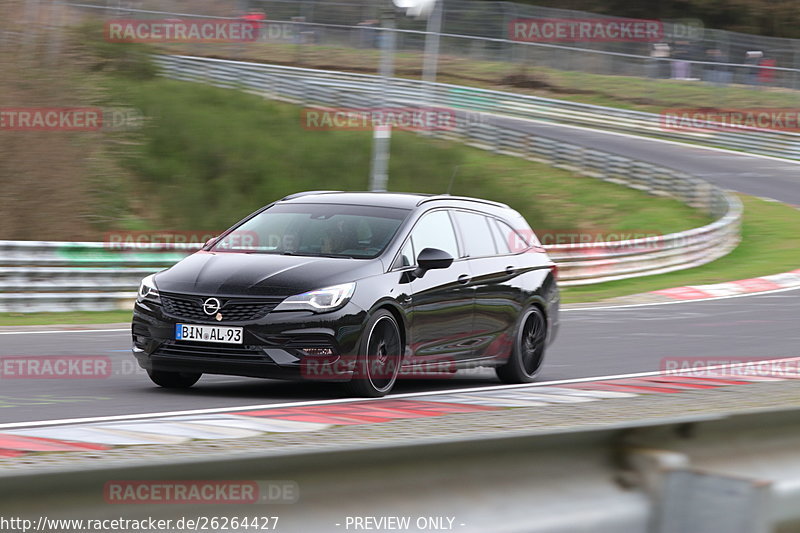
211	306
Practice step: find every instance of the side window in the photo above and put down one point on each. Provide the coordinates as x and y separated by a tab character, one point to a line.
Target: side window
514	239
434	230
477	235
406	257
501	236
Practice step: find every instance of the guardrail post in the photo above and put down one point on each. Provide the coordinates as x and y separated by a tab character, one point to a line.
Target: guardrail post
689	500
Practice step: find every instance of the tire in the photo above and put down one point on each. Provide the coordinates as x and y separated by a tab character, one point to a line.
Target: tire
527	354
173	380
378	361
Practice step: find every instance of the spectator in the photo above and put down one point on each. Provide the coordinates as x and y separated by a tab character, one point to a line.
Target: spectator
752	59
766	74
681	68
715	72
368	34
257	20
659	54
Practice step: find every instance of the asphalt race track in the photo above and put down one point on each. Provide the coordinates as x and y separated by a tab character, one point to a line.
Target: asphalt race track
758	176
596	342
592	342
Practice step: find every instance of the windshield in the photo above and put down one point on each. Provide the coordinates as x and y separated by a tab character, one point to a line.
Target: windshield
329	230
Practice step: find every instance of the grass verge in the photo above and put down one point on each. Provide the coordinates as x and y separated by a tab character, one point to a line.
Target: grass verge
216	155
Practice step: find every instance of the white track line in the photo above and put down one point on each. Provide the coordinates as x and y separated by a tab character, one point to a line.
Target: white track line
234	409
62	331
622	306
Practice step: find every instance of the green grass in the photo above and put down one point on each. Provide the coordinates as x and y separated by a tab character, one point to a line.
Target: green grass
72	317
215	155
770	245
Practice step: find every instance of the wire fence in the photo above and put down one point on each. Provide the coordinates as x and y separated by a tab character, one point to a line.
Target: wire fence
686	50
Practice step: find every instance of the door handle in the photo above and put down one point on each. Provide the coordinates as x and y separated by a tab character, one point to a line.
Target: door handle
464	279
510	269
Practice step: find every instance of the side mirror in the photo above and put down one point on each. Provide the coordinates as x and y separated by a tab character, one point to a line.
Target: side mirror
432	259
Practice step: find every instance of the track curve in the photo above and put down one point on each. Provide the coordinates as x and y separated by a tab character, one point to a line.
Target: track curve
592	342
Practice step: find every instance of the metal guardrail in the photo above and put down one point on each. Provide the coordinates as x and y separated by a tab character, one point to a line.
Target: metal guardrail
683	475
261	77
55	275
770	142
763	142
785	144
46	276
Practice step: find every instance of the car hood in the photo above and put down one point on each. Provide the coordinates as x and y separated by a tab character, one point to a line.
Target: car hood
252	274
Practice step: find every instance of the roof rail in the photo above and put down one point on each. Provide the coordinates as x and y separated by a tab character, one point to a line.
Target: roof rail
460	198
304	193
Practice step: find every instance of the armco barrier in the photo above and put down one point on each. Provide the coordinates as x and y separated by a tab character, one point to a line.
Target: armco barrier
551	55
49	276
697	473
785	144
341	89
78	276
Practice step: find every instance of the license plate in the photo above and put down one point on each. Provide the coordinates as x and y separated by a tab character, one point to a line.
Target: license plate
189	332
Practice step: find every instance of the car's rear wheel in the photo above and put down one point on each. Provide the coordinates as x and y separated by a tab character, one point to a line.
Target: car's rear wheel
173	380
378	363
528	352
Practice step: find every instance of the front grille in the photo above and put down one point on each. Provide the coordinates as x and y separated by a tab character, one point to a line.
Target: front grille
232	310
196	349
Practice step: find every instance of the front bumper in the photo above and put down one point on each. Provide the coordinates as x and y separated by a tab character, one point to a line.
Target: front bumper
282	345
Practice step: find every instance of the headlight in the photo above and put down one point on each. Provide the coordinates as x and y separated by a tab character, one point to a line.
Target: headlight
148	291
320	300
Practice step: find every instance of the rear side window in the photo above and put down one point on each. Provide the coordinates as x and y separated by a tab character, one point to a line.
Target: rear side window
477	234
515	239
502	238
434	230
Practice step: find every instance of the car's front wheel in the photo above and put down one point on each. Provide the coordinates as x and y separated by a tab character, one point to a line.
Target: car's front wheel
378	363
528	352
173	380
